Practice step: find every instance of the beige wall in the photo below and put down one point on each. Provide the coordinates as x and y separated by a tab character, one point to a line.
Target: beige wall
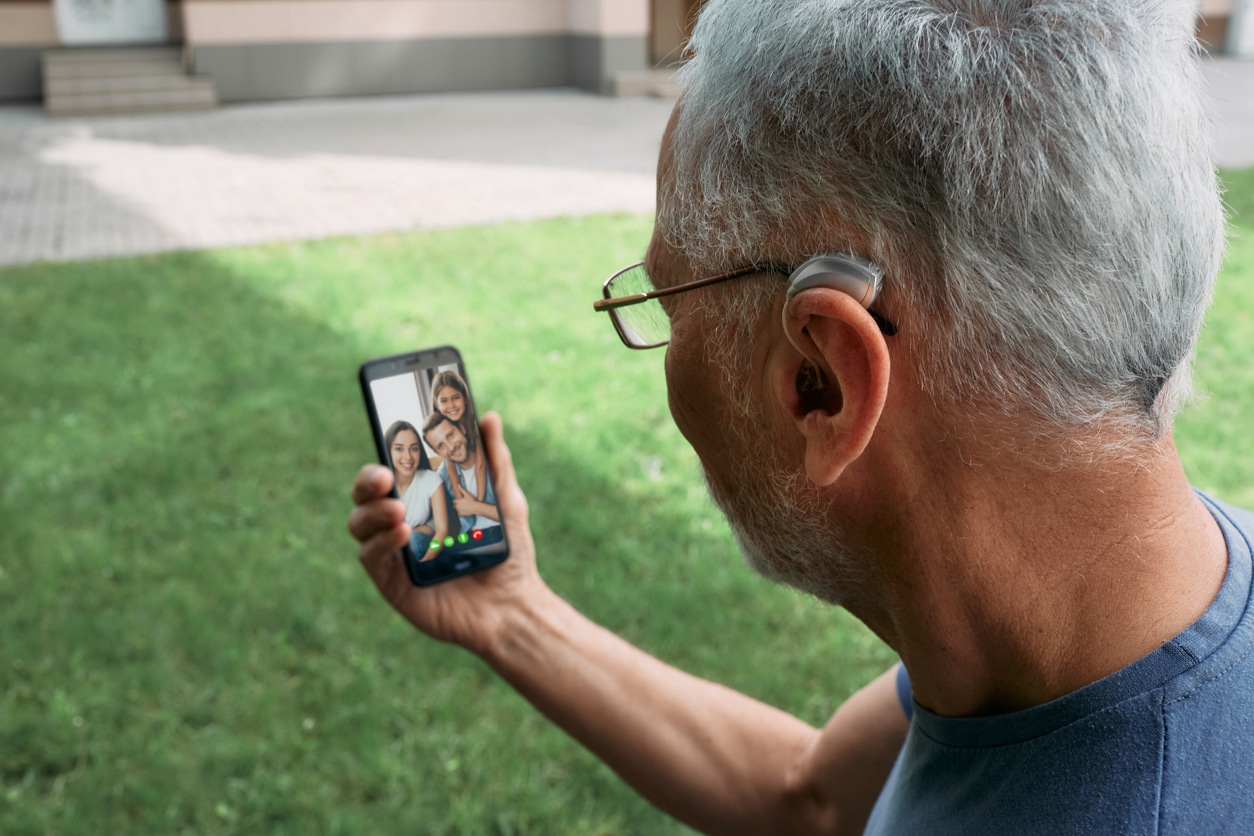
277	21
31	23
280	21
610	18
329	21
27	24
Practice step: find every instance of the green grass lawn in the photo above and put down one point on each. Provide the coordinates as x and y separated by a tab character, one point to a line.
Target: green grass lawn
186	641
1214	434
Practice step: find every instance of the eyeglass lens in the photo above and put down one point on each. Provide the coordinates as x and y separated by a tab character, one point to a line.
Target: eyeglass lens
645	324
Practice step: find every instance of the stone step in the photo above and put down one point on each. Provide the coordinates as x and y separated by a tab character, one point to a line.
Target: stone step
110	70
99	82
103	104
659	83
74	86
113	54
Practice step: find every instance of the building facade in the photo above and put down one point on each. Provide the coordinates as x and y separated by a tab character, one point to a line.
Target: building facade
256	50
283	49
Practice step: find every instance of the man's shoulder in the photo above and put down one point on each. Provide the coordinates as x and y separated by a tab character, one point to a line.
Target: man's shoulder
1164	745
1208	754
1208	714
1139	766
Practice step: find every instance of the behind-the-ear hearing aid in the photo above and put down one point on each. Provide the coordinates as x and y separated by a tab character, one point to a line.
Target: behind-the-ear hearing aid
840	271
847	273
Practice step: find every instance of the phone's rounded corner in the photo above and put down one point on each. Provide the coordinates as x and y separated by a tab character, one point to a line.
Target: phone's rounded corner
411	567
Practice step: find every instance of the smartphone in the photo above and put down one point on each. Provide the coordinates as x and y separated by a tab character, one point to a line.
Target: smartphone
427	431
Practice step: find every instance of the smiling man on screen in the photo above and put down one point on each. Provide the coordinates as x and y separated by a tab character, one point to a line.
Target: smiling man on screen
460	454
930	273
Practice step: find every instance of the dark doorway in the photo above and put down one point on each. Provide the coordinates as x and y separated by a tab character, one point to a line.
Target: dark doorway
671	25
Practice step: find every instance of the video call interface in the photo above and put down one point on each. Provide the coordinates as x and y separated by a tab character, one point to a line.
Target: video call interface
431	434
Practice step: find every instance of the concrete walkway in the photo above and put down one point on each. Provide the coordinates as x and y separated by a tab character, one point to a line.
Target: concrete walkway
85	188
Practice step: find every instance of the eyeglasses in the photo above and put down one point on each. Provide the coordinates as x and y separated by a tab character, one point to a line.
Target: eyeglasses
631	300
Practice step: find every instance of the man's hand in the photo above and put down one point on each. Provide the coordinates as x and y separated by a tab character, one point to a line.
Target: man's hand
469	611
468	506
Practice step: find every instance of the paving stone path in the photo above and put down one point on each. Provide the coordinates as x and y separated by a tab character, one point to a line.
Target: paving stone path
85	188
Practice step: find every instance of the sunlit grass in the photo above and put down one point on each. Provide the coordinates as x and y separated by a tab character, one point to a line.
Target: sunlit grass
1213	433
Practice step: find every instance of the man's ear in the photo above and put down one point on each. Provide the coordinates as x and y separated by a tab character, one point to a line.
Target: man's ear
837	411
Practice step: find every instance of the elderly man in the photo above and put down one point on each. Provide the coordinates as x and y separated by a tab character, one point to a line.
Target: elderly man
955	422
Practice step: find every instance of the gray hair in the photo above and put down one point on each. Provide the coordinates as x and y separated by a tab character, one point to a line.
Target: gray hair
1034	176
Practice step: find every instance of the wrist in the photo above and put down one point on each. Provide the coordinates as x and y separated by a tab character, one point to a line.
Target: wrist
523	628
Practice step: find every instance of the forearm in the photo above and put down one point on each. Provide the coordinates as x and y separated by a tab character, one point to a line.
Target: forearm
472	507
435	543
701	752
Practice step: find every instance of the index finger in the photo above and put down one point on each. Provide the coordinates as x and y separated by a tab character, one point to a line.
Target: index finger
373	481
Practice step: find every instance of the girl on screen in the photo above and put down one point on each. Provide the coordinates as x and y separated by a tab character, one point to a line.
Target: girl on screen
451	396
419	487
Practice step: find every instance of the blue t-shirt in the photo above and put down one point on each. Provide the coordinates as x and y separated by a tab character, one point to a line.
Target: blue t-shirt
1165	745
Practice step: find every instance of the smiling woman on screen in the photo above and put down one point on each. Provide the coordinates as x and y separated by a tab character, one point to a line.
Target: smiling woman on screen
426	508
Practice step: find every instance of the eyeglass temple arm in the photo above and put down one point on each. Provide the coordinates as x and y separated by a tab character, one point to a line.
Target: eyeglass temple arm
637	298
622	301
887	327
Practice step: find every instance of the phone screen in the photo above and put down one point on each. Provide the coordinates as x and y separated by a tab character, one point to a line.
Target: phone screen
427	431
